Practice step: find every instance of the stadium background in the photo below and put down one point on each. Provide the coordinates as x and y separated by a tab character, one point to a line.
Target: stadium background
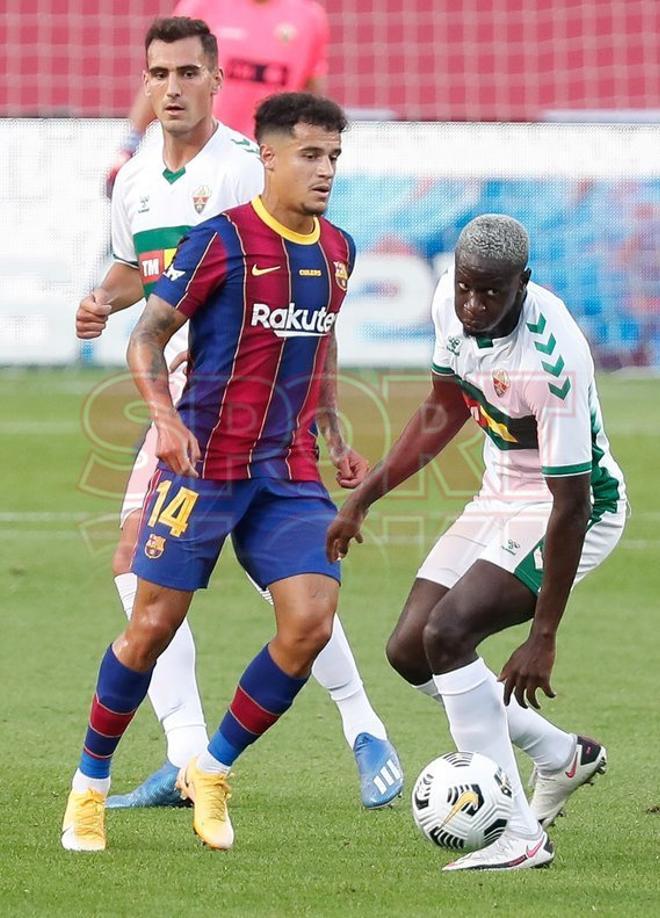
592	207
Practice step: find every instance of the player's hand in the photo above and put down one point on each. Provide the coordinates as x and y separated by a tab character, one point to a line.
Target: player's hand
351	467
528	670
181	357
92	314
177	446
345	526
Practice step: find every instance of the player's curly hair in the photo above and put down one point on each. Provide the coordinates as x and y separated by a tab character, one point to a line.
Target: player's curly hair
173	28
282	112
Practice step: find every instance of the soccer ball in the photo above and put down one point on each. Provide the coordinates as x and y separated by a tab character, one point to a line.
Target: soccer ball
462	801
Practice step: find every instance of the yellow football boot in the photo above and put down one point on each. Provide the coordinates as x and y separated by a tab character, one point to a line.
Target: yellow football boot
83	828
209	794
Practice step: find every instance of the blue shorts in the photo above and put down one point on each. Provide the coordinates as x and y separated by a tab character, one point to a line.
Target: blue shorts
277	527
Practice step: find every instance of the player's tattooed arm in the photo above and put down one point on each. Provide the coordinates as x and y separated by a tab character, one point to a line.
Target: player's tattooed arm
176	444
351	466
327	415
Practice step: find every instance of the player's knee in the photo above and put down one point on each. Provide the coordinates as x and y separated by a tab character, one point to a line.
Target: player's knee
406	656
150	634
446	637
123	556
304	637
315	636
121	560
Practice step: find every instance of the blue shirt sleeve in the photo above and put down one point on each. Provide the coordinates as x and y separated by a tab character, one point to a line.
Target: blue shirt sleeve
198	268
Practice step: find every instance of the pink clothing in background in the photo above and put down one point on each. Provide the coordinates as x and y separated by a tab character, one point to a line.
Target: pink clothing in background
264	48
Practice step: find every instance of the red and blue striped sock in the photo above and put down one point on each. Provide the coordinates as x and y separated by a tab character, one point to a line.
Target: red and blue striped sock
263	694
119	691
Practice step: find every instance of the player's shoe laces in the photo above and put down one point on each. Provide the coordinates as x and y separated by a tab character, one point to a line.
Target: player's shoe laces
83	828
159	789
509	852
381	775
209	794
552	790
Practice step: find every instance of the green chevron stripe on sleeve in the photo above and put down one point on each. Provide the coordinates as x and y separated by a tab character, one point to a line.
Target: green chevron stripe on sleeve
546	348
554	369
561	391
539	327
556	471
442	371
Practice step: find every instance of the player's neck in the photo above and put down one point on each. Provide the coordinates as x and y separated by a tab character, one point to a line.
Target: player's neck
178	151
292	219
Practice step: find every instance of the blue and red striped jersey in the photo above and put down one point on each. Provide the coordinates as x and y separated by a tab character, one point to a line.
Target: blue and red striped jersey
262	303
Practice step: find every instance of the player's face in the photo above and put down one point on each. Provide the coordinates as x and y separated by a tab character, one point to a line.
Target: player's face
302	167
487	298
180	84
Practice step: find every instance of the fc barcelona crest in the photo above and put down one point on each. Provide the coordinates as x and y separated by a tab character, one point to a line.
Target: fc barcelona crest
201	198
155	546
501	382
341	275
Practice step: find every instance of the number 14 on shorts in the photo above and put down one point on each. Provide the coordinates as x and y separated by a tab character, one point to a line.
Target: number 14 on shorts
175	515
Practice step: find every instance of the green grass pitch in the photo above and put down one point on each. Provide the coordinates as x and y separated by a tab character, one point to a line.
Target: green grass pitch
303	844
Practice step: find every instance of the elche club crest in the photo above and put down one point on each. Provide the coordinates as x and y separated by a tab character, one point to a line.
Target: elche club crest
201	198
341	274
501	382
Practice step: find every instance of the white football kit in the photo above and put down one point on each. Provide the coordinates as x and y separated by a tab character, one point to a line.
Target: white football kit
152	208
534	395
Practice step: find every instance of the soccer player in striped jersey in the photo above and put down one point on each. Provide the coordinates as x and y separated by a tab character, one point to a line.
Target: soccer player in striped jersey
551	508
262	285
193	169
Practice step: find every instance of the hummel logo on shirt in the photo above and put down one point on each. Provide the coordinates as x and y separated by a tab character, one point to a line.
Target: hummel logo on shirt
173	274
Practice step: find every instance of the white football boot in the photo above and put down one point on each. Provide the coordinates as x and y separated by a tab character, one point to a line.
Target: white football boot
552	790
509	852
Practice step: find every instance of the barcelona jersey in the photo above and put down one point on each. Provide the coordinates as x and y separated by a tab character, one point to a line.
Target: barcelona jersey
262	302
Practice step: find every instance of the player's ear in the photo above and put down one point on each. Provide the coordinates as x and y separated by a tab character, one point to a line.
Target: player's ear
218	79
267	154
145	82
524	278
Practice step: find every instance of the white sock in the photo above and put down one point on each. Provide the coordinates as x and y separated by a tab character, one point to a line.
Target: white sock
173	691
209	764
477	719
335	669
431	689
549	747
81	783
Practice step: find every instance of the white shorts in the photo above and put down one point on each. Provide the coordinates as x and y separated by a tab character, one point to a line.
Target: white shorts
146	460
510	534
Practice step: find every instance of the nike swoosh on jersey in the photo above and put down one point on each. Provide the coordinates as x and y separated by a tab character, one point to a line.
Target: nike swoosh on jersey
257	272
